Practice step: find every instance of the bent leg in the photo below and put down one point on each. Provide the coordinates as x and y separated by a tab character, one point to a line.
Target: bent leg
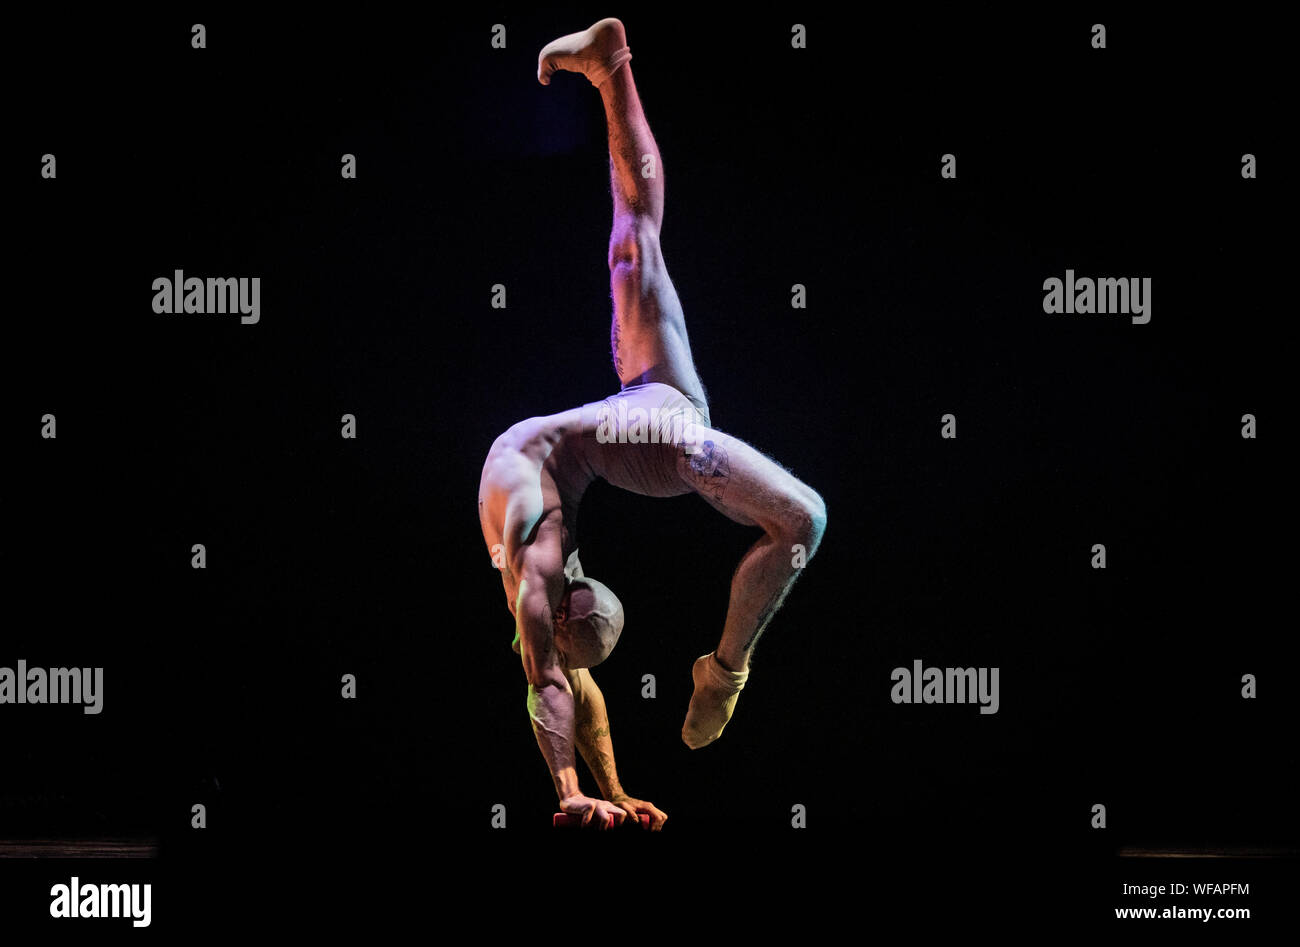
754	490
751	488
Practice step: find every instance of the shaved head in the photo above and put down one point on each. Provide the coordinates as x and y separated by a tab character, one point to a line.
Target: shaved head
587	623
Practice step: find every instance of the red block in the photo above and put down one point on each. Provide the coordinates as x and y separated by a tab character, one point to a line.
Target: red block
562	820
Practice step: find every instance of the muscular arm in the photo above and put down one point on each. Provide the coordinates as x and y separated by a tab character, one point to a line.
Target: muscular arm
521	512
591	731
550	698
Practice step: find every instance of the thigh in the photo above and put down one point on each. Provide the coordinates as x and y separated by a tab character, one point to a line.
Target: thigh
742	483
648	337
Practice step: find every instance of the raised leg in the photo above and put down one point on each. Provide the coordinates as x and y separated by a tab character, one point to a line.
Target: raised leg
648	333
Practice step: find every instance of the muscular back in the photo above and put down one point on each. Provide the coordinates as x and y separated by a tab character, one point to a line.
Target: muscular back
528	495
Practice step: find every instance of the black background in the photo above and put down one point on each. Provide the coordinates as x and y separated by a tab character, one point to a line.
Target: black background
329	556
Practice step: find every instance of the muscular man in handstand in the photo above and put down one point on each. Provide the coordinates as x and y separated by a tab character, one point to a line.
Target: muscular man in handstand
537	471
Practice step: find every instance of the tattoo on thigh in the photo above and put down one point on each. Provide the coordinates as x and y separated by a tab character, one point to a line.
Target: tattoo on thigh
708	469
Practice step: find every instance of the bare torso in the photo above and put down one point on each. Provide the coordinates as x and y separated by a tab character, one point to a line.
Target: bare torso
537	471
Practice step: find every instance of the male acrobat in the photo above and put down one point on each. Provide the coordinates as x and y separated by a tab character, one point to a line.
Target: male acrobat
537	471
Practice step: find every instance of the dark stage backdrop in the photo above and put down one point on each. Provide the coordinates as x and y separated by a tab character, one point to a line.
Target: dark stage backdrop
327	556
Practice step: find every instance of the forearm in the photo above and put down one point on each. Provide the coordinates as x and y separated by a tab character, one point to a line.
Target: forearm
551	710
550	698
592	734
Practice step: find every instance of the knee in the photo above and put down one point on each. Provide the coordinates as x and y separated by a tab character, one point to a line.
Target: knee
805	520
634	244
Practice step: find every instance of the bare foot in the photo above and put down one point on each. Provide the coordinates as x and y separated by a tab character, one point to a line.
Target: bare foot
595	52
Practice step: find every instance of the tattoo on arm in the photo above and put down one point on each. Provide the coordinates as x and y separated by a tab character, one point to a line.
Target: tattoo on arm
600	762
